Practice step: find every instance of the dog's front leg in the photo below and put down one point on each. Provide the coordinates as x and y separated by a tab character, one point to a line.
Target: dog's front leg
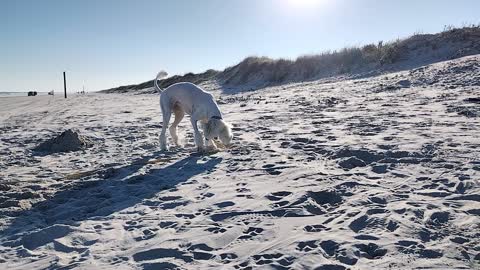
197	135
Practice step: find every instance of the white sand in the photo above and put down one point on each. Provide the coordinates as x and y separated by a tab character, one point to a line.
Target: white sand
375	173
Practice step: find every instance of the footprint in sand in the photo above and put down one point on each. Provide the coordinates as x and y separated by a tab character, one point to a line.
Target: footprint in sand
119	260
201	252
344	255
413	247
274	169
159	265
317	202
203	212
330	247
185	216
243	191
216	229
277	196
162	253
168	224
274	260
330	267
368	222
250	233
205	195
145	234
227	257
307	246
315	228
371	251
224	204
131	225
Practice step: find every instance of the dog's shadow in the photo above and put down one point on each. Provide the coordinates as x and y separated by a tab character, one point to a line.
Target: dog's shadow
95	198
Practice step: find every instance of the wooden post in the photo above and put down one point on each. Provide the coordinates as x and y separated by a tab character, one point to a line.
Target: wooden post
65	84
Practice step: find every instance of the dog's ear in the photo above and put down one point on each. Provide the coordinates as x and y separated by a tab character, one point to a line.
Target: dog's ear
210	126
224	129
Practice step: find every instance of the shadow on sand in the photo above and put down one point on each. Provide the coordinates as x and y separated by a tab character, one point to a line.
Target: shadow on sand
95	197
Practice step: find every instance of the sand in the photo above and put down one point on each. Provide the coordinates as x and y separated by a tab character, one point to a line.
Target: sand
380	173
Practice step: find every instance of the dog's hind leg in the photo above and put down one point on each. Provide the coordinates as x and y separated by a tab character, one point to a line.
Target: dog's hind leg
163	137
166	113
179	114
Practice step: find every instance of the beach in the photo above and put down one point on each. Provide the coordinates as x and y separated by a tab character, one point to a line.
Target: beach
379	172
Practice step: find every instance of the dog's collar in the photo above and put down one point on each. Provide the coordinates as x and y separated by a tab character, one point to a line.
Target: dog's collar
217	117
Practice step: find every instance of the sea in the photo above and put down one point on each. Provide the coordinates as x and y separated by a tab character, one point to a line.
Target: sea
20	94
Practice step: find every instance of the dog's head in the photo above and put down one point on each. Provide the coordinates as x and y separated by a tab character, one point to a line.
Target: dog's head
217	128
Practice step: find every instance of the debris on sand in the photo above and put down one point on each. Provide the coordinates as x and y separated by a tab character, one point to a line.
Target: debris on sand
70	140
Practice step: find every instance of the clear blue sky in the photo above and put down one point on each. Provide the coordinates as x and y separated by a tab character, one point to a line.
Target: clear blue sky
108	43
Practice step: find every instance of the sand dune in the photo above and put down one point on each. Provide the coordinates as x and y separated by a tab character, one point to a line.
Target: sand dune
379	173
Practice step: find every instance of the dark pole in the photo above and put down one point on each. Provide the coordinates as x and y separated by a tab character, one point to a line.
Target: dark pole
65	84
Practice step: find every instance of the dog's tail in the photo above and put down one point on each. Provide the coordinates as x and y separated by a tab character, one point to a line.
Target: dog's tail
162	74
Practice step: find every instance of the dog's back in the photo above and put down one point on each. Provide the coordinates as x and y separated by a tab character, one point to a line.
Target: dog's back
185	95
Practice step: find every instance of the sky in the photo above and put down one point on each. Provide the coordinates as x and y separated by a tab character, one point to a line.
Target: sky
108	43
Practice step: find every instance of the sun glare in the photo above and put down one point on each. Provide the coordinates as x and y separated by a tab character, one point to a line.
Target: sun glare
305	4
303	7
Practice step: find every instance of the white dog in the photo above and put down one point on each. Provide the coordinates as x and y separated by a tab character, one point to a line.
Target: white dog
187	98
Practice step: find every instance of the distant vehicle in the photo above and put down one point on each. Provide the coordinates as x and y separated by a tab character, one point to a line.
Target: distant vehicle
51	93
32	93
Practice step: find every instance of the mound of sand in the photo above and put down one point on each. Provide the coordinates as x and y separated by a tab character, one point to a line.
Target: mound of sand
69	140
